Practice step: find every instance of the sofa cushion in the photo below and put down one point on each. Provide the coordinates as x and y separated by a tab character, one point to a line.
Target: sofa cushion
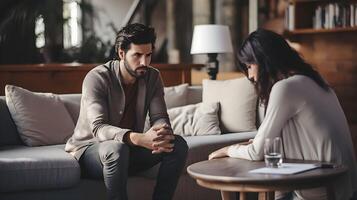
238	101
260	114
194	94
40	118
176	95
8	131
195	119
72	103
45	167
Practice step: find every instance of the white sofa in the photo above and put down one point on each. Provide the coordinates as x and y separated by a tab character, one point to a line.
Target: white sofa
48	172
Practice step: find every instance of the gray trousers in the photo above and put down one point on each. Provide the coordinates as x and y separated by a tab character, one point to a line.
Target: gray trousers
114	162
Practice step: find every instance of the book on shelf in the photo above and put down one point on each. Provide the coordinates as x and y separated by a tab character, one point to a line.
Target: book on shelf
290	17
335	15
324	16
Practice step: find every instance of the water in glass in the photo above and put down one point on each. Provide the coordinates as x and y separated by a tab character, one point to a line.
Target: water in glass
273	152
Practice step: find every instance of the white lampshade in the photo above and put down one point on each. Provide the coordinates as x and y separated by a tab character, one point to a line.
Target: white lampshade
211	38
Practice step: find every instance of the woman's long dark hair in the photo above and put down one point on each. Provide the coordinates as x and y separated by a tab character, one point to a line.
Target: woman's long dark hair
276	60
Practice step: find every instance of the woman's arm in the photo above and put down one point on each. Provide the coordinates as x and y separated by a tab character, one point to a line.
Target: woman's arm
284	103
223	152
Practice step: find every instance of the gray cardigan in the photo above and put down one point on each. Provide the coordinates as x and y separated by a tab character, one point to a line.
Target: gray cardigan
103	104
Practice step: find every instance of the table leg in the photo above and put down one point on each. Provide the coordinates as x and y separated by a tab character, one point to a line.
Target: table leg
330	192
242	196
266	196
225	195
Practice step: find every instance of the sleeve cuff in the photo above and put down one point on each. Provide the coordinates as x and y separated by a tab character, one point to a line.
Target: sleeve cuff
232	150
122	135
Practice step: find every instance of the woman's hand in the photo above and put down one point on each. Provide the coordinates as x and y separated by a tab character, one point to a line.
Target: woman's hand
220	153
223	152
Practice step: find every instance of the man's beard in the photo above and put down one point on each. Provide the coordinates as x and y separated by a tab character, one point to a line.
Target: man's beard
135	73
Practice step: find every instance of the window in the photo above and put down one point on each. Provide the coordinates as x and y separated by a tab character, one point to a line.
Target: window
40	32
72	30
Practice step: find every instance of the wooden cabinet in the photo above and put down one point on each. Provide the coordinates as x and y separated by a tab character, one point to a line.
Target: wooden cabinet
68	78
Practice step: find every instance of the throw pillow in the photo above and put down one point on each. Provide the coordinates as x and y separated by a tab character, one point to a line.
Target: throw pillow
41	118
238	100
195	119
176	96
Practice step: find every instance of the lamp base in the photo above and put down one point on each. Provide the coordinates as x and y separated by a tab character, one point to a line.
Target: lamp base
212	66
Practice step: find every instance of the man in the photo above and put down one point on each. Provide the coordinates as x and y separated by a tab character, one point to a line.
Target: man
108	139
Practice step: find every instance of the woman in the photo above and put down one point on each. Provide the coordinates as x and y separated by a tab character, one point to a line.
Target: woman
300	108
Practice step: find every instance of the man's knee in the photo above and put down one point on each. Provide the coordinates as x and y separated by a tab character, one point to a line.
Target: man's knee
110	151
180	147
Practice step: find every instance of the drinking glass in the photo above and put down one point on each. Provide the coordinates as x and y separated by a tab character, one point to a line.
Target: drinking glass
273	152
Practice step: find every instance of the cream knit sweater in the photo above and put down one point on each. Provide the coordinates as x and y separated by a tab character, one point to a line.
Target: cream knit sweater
312	125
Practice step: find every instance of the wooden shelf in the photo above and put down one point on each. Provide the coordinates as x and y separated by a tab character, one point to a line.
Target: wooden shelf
300	17
319	1
305	1
316	31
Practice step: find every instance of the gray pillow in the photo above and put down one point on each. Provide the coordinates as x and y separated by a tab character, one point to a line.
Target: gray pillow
40	118
195	119
176	96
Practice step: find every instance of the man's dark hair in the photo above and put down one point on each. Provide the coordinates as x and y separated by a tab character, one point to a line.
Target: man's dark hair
275	59
134	33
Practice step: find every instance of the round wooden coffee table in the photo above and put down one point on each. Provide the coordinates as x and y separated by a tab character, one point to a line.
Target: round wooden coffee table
232	175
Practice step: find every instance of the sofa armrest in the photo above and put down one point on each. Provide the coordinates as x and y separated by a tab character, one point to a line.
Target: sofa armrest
201	146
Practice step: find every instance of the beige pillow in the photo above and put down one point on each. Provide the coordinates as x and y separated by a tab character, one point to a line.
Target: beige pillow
195	119
40	118
176	96
237	99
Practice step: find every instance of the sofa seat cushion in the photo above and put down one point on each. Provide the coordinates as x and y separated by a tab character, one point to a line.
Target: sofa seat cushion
45	167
